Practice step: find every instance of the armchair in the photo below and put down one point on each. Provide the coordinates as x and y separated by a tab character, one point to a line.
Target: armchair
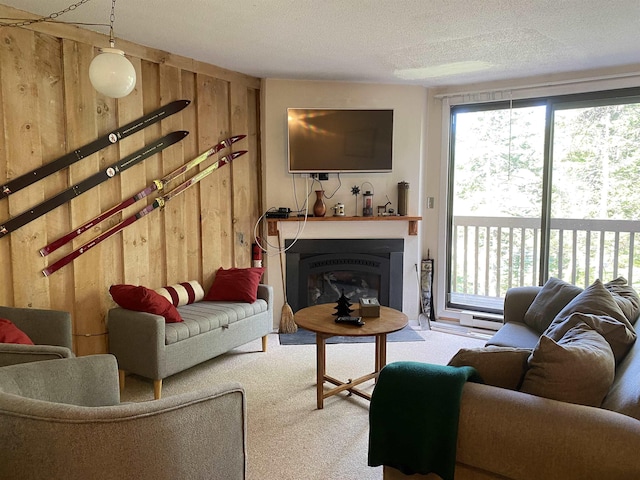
63	419
50	331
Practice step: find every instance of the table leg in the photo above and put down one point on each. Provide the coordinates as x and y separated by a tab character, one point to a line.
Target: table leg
381	351
321	365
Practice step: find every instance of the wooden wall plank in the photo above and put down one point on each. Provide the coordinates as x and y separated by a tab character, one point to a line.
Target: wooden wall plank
172	158
154	223
215	190
253	145
48	108
133	180
191	214
241	171
53	139
6	288
82	118
24	150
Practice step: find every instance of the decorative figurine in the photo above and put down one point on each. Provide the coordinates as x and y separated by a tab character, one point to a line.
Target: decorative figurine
355	191
342	307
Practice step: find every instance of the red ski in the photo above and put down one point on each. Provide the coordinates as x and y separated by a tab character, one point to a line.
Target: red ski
159	202
157	185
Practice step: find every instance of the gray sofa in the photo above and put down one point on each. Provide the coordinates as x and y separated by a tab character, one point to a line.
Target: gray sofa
64	420
508	434
49	330
147	346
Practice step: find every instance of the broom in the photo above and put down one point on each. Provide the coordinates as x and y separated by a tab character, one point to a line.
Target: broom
287	323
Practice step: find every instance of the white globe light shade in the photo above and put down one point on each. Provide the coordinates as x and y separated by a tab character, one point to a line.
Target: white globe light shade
112	74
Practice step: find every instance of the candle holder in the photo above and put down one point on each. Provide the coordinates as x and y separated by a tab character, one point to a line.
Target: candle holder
367	201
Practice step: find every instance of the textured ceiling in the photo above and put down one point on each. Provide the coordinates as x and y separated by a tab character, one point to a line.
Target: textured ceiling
418	42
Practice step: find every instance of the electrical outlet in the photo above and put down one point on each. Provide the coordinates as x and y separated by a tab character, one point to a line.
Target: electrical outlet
323	176
430	202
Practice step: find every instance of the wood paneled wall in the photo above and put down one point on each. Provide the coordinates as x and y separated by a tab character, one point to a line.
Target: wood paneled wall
48	108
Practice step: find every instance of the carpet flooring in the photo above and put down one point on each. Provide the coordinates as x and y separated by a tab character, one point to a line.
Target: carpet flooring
305	337
287	437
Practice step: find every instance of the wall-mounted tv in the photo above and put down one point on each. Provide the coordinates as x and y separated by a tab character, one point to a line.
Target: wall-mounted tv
339	140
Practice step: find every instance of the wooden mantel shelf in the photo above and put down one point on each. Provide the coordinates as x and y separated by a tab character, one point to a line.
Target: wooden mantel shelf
413	221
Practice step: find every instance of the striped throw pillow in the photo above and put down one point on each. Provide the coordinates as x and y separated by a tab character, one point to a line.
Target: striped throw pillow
182	293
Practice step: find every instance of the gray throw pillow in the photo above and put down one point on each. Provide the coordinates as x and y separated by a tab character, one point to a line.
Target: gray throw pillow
602	313
626	297
579	368
551	299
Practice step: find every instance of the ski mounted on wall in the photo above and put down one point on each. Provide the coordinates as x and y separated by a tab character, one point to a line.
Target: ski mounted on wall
93	147
157	185
94	180
157	203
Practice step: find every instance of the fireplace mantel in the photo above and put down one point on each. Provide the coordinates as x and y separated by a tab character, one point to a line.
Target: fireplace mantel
413	221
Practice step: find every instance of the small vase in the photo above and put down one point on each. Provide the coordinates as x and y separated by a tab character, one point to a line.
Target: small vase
319	208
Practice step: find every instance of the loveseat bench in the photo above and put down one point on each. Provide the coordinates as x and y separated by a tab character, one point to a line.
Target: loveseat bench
506	432
146	344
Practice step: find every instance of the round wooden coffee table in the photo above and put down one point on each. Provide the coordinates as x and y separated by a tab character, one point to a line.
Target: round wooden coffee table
320	319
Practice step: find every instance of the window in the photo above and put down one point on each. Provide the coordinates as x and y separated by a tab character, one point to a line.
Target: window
539	188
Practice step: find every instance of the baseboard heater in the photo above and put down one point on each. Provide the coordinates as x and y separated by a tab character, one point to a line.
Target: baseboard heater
488	321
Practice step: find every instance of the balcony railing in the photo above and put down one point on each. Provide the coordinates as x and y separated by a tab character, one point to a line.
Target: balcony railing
493	254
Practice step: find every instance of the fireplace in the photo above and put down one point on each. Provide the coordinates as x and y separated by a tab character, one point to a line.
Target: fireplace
320	270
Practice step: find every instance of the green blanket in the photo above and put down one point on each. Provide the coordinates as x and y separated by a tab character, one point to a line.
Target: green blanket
413	417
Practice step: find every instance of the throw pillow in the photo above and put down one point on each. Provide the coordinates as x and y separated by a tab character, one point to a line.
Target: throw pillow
9	333
597	302
235	285
142	299
616	333
579	368
502	367
553	297
626	297
182	293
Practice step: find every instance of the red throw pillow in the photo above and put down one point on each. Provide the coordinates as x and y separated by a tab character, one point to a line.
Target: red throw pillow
142	299
9	333
235	285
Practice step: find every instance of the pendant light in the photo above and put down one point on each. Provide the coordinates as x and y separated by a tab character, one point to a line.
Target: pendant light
110	72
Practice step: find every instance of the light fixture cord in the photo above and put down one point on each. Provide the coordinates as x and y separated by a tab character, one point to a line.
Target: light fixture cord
112	19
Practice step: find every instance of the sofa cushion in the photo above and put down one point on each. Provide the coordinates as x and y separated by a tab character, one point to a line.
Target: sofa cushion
142	299
552	298
204	316
624	394
515	334
9	333
602	313
182	293
626	297
235	285
578	368
498	366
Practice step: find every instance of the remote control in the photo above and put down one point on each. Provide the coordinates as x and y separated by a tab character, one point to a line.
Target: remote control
350	320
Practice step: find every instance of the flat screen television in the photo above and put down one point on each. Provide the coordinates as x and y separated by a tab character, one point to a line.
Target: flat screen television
339	140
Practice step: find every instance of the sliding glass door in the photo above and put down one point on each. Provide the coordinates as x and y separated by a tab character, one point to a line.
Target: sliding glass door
595	195
540	188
